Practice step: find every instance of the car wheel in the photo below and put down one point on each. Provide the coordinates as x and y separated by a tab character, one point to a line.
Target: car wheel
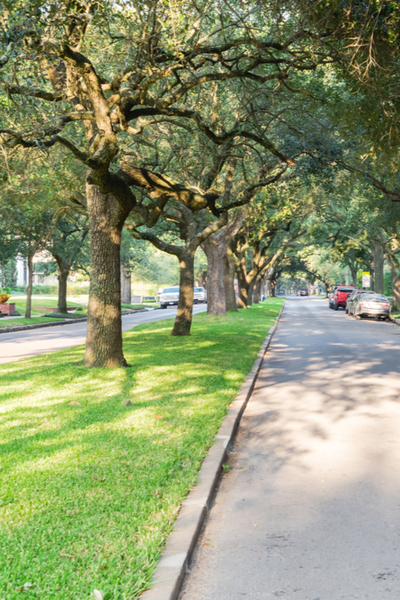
335	307
163	306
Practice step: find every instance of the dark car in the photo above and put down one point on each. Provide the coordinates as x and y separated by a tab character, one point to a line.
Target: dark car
353	298
340	296
372	305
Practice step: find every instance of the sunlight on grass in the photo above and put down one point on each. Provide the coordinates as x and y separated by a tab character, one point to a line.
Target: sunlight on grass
23	321
95	463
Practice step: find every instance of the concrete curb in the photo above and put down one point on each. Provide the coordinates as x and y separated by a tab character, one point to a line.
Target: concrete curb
173	565
54	323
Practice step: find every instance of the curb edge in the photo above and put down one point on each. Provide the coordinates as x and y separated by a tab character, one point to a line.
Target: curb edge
174	562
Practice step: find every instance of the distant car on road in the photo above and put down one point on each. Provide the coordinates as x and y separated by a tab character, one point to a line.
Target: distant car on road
302	292
340	296
372	305
200	295
169	297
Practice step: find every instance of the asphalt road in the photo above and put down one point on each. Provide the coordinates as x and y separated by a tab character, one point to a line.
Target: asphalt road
24	344
311	507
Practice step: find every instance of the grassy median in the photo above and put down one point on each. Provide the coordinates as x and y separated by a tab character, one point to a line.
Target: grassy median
95	463
23	321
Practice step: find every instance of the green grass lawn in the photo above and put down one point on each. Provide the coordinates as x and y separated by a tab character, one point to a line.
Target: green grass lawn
23	321
95	463
49	301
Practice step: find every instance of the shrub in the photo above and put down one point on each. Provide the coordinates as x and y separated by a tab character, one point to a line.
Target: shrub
4	296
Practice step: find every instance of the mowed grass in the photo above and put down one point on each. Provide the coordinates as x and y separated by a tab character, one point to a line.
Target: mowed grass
23	321
45	301
95	463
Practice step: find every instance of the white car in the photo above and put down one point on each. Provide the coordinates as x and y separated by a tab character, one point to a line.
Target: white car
169	296
200	295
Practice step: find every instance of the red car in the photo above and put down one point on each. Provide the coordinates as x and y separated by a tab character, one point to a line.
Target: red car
340	296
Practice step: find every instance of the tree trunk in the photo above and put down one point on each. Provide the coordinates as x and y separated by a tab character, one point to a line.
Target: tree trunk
104	334
378	267
216	302
271	287
242	283
125	285
257	290
229	281
250	293
183	319
62	291
353	270
395	284
220	281
28	308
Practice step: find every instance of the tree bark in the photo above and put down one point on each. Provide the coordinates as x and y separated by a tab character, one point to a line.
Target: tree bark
395	283
250	293
229	281
242	283
378	267
353	270
62	291
28	308
271	288
215	248
216	301
257	290
104	334
183	319
125	285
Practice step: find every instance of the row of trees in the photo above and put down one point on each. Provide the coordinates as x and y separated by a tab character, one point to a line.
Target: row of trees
202	125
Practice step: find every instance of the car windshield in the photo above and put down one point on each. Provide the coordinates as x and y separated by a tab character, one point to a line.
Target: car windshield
173	290
374	298
342	289
198	290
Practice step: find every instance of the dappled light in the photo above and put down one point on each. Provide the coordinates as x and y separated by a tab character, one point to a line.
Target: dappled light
103	458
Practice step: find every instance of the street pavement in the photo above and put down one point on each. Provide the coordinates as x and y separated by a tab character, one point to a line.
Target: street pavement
24	344
310	509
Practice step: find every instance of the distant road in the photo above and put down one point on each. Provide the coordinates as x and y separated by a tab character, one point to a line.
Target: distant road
24	344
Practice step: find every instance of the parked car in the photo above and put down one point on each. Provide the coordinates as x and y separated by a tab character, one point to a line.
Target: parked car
330	296
200	295
340	296
302	292
351	300
372	305
169	296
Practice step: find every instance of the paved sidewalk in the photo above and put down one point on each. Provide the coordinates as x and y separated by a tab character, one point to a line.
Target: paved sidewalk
311	507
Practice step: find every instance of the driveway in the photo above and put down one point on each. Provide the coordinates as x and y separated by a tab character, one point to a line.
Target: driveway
24	344
310	509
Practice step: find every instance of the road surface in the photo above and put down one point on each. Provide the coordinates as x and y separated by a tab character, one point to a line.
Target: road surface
311	507
24	344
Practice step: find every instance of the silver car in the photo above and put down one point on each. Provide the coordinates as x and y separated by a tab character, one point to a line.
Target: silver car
169	297
372	305
200	295
351	301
